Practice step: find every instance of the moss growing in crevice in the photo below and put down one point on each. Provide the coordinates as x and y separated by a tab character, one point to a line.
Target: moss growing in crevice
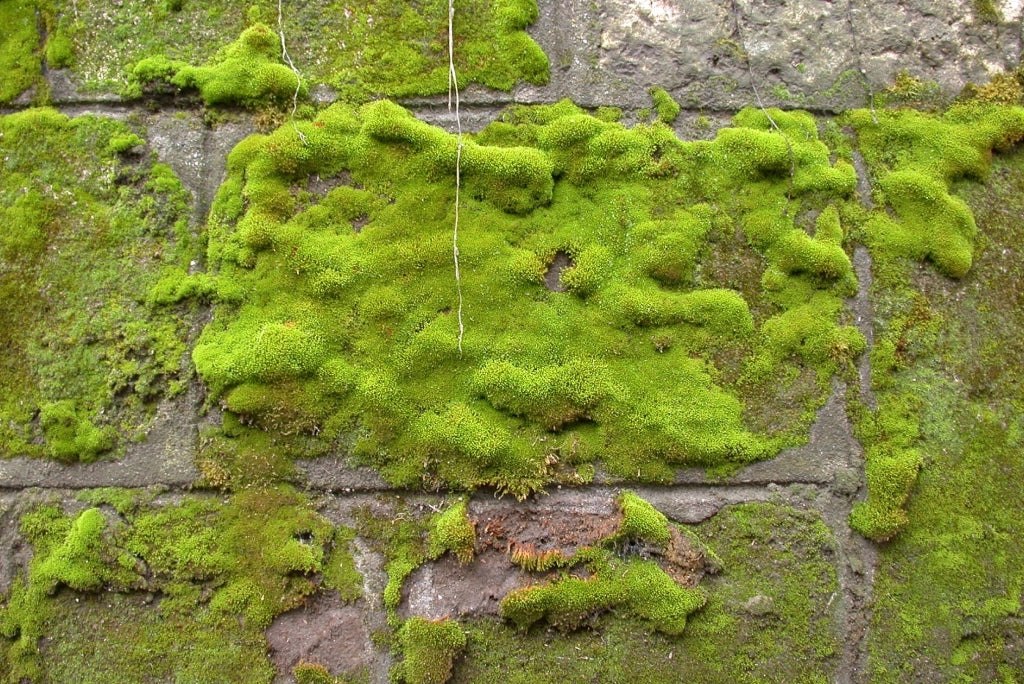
408	540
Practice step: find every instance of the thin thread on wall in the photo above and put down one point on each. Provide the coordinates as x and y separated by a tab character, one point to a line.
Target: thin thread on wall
453	86
860	62
745	56
298	77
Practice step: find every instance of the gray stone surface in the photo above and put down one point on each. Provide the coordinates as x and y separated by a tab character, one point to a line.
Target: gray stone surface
816	54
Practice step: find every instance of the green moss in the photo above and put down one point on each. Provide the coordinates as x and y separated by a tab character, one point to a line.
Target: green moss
374	48
309	673
249	72
19	62
640	588
403	539
452	531
987	12
769	616
915	158
223	570
666	108
948	588
339	569
429	648
87	230
553	396
330	331
60	51
71	437
642	521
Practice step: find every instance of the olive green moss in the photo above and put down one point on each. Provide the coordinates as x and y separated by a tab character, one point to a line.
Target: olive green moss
947	596
89	223
401	50
222	571
359	49
329	331
428	649
19	45
665	107
310	673
770	616
914	159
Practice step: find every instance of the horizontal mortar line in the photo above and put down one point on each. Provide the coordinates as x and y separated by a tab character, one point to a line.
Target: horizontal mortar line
343	490
114	104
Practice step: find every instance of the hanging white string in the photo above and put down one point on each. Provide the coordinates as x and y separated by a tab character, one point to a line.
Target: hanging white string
453	85
298	77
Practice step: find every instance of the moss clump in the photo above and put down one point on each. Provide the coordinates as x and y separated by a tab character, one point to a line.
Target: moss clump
890	477
452	531
987	12
429	648
640	588
642	521
331	331
311	673
665	107
553	396
86	232
248	73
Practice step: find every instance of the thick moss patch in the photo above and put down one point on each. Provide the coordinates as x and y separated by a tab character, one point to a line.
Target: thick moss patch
19	47
338	309
248	72
89	222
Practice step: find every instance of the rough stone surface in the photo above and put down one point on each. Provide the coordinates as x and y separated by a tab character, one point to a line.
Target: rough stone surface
326	631
816	54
